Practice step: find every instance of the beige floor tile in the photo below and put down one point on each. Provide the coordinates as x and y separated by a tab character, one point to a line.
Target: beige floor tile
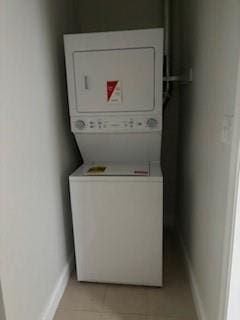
83	296
126	299
70	314
160	318
120	316
171	302
116	302
169	318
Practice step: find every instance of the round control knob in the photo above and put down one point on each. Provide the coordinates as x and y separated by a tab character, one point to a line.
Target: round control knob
80	124
152	123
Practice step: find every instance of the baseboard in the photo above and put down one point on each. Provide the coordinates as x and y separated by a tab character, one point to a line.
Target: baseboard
58	291
193	283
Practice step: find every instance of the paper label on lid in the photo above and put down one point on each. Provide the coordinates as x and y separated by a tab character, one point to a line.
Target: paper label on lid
96	170
114	92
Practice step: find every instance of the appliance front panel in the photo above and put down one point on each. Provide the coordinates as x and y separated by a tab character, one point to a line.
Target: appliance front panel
117	147
118	231
115	94
115	73
114	80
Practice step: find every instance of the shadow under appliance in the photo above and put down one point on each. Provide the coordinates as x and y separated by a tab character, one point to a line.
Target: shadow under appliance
115	100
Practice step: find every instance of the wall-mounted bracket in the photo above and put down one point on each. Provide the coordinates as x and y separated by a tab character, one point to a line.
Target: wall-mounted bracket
185	78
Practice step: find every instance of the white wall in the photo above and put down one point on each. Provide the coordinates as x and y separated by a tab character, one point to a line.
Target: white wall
37	153
210	44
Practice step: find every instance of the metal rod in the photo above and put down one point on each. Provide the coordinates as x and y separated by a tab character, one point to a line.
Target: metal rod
166	46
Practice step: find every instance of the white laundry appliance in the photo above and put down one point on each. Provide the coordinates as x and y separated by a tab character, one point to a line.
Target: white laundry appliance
115	99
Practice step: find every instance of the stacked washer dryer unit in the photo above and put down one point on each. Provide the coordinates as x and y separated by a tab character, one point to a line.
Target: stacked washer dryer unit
115	99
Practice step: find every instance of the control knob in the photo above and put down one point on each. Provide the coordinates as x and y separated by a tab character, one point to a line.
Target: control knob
152	123
80	124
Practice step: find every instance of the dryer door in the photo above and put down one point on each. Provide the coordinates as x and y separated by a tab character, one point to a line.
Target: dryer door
115	80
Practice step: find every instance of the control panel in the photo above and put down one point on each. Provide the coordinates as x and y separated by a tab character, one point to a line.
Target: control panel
115	124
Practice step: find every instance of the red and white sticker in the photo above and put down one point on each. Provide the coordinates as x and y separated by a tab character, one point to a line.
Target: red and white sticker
114	92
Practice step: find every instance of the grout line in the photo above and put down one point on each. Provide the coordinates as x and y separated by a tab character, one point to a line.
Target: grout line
127	313
105	312
147	301
105	294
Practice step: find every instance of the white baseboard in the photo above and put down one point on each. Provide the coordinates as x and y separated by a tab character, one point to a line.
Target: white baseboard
193	283
58	291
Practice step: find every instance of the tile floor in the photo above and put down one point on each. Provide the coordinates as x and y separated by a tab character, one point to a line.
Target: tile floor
91	301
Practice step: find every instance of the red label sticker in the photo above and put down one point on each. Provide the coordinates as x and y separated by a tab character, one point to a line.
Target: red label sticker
114	92
111	85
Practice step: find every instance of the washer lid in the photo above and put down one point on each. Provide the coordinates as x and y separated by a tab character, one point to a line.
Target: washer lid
115	169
